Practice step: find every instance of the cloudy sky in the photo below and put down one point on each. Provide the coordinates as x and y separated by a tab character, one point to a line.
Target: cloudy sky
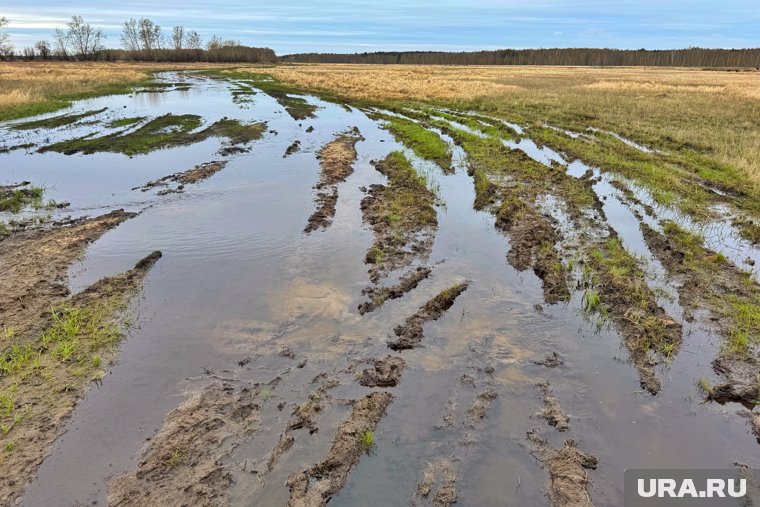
290	26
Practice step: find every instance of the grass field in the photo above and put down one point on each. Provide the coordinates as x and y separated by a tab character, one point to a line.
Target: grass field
712	113
29	88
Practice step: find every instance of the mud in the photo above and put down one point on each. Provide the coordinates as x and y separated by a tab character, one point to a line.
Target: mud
194	175
182	463
477	411
568	476
385	372
552	360
709	282
552	410
47	397
315	486
293	148
401	215
379	295
648	332
410	332
336	161
438	485
35	263
532	246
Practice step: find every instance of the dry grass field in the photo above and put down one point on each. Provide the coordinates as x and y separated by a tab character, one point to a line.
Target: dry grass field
28	88
712	112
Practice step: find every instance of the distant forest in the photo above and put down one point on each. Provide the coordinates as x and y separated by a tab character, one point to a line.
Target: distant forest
692	57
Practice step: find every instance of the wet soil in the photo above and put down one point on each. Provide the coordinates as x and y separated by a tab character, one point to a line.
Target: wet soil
316	485
552	410
336	161
34	267
194	175
410	332
181	465
45	395
401	215
379	294
385	372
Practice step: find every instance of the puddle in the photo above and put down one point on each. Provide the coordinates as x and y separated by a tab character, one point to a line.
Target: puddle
239	281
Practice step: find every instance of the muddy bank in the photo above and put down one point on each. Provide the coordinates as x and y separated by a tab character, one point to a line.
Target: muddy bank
336	161
315	486
194	175
708	281
182	463
379	295
568	476
35	263
618	290
410	332
401	215
47	367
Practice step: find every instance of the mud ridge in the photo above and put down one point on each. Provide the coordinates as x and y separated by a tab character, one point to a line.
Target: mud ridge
401	215
439	479
182	463
568	471
293	148
45	392
194	175
711	282
35	262
336	160
315	486
379	295
410	333
552	410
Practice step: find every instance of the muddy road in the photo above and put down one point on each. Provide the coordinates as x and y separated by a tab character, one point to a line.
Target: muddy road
334	317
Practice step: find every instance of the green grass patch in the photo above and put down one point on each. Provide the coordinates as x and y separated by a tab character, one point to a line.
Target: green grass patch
126	122
56	121
424	143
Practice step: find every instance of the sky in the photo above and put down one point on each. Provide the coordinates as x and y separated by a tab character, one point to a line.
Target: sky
342	26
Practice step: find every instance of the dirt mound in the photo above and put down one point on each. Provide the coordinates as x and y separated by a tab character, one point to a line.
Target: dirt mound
182	463
35	262
337	163
385	372
568	477
742	380
410	333
194	175
379	295
552	410
315	486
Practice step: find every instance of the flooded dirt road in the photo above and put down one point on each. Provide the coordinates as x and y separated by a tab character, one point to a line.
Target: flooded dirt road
244	377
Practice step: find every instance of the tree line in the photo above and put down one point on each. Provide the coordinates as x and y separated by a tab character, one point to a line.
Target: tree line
141	40
691	57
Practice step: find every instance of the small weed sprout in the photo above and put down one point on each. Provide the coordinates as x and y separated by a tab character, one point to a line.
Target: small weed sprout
368	440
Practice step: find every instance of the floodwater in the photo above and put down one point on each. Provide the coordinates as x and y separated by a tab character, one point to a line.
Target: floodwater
239	280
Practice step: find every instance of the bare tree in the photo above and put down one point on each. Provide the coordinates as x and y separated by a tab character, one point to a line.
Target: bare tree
178	37
61	38
43	49
193	40
215	42
84	38
150	34
5	45
28	53
130	35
